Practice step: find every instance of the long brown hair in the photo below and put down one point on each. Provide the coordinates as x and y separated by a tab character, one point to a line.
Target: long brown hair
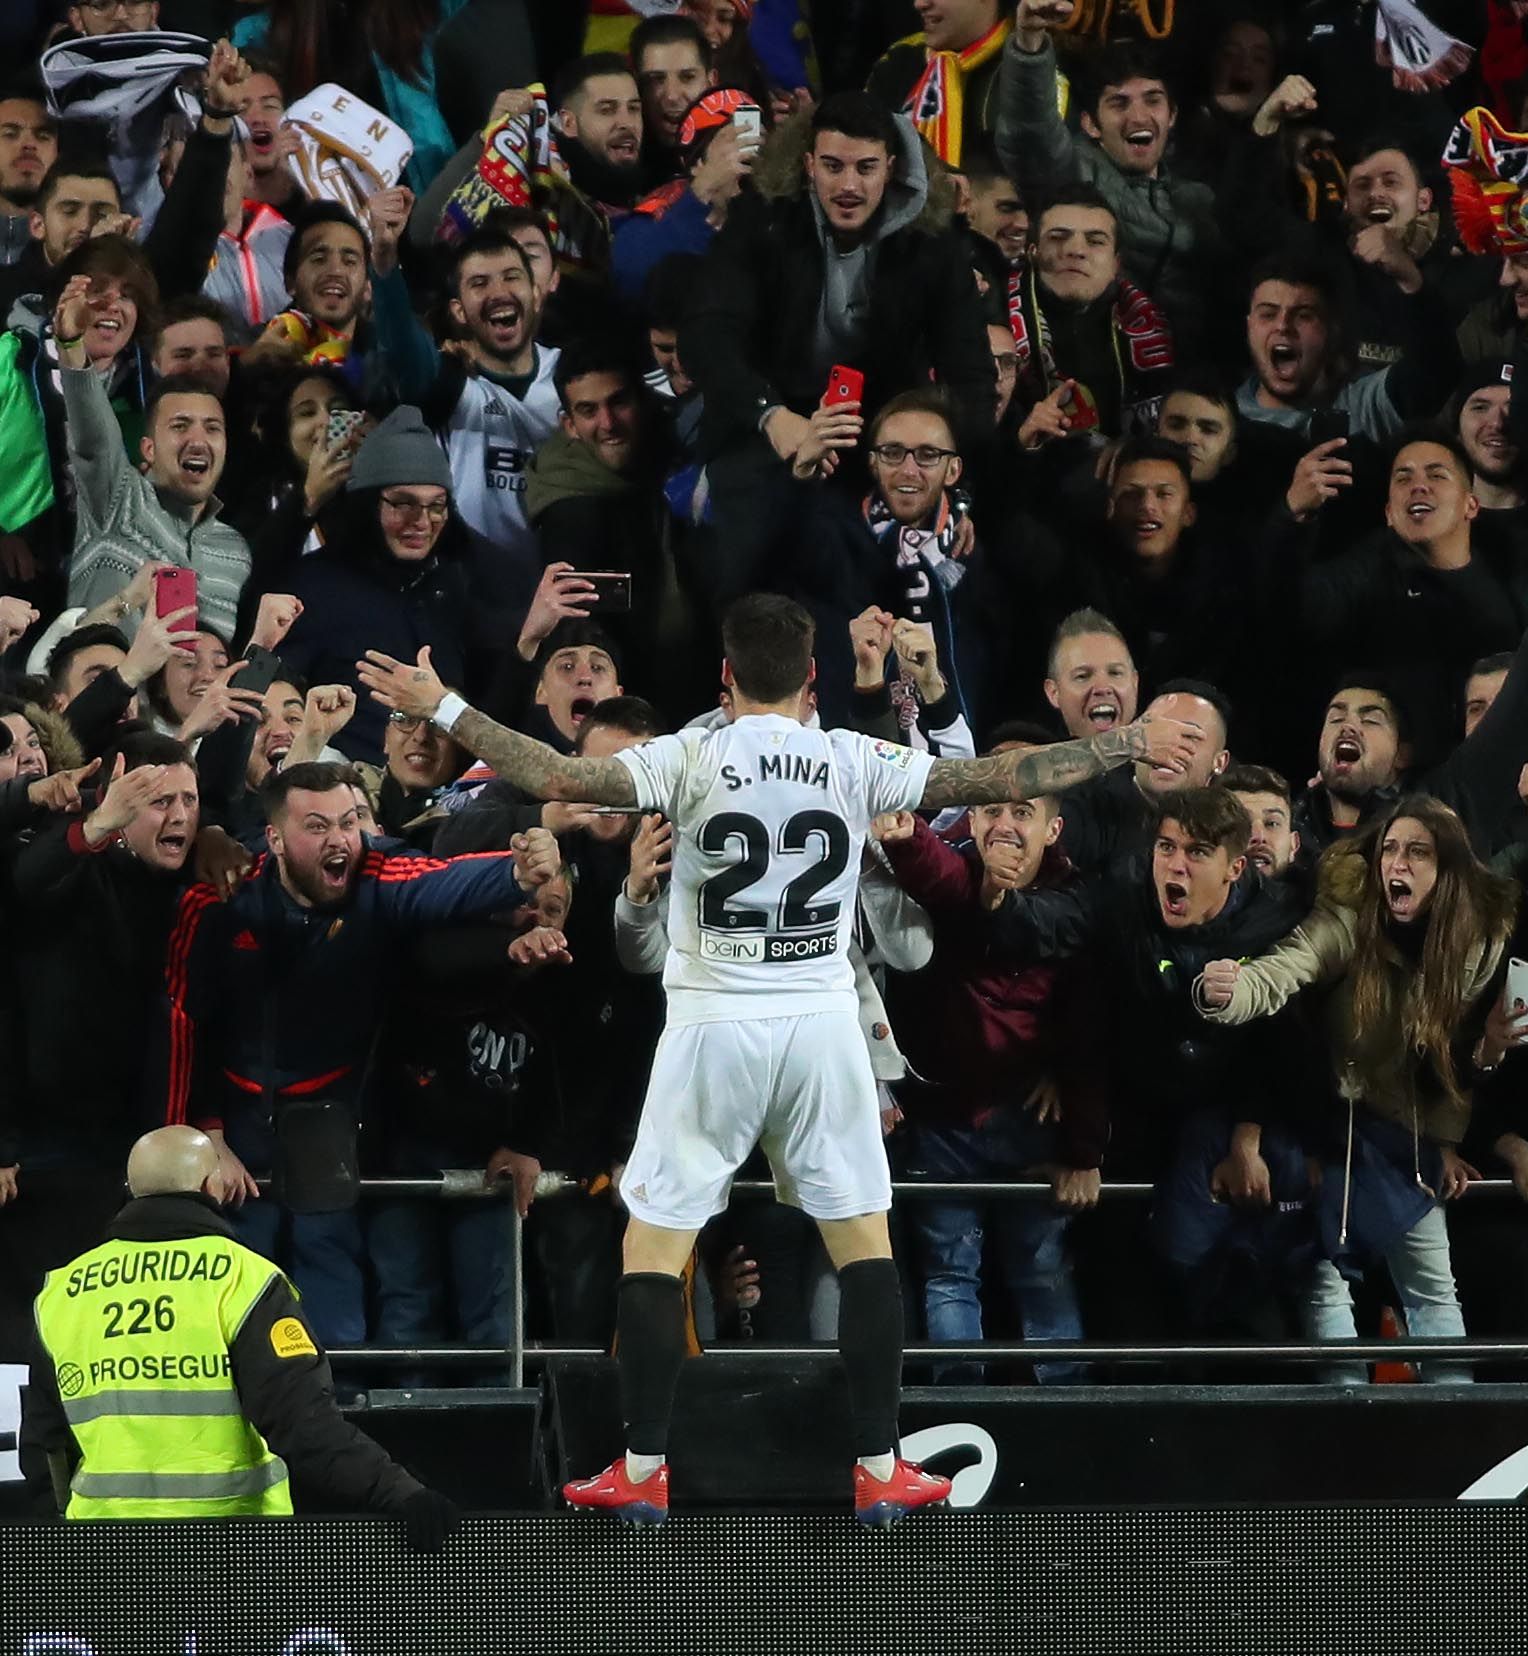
1471	907
397	30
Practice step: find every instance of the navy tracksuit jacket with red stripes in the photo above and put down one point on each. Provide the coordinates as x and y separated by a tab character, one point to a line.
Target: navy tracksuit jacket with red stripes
263	991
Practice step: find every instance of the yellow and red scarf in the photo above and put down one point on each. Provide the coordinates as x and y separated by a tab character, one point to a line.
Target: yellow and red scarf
937	103
1488	170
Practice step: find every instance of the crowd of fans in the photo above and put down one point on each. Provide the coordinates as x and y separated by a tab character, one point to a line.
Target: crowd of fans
1066	361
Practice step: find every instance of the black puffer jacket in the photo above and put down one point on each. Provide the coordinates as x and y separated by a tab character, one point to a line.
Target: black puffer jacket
752	339
1168	1060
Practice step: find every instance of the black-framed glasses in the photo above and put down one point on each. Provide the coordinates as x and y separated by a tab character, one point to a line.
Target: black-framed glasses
106	8
406	721
925	456
436	511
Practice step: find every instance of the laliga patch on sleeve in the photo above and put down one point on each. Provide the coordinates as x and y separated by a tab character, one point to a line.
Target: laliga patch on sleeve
290	1339
891	753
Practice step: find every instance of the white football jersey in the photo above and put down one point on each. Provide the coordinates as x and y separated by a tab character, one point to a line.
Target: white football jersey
769	823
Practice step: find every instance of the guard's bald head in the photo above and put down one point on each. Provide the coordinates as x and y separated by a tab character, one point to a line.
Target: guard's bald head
171	1161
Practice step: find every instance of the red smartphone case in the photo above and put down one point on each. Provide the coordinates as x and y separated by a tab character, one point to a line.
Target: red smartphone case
845	385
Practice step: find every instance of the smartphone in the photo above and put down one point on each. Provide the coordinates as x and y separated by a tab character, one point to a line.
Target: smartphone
1327	424
175	589
613	589
1517	985
342	422
261	672
845	385
749	121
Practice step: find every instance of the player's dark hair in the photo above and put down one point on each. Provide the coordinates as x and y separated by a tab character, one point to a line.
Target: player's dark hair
767	641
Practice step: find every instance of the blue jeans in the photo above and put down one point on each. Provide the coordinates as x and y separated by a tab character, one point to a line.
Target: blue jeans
1031	1237
444	1272
321	1252
1423	1275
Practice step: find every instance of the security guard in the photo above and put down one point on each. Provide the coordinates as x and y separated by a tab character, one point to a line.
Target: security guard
176	1367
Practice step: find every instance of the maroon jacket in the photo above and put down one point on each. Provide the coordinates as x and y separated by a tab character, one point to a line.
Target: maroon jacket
998	1007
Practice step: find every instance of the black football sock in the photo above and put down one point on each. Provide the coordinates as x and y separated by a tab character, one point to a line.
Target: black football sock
870	1341
649	1323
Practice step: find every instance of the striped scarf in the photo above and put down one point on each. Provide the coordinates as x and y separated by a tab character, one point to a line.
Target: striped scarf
937	102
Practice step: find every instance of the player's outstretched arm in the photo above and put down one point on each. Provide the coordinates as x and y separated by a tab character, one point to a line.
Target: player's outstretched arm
541	770
1026	775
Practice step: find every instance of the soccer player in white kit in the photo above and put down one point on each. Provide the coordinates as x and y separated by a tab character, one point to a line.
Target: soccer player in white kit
762	1043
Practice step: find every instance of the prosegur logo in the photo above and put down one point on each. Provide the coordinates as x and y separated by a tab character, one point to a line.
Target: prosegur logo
71	1380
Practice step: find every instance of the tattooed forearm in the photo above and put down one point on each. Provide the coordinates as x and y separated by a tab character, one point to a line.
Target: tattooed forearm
1019	775
542	770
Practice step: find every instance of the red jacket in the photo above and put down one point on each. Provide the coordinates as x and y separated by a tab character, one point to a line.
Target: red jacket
997	1008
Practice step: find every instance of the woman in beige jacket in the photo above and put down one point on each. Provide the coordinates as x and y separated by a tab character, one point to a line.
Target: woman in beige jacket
1407	935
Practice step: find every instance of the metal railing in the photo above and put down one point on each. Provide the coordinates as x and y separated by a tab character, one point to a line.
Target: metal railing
467	1184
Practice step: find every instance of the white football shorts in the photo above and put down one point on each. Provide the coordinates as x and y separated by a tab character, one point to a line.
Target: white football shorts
801	1087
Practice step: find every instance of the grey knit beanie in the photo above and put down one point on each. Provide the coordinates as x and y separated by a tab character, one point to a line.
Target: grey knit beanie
400	450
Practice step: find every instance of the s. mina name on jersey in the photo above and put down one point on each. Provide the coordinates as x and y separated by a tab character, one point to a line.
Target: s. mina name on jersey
780	767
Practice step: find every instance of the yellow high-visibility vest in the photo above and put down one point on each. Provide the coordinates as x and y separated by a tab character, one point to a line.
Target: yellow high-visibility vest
139	1334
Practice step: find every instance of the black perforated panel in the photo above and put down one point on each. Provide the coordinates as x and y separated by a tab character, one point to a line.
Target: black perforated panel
1422	1581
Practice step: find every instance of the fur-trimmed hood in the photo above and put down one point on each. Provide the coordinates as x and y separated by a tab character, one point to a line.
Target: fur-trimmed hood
57	737
1342	871
917	176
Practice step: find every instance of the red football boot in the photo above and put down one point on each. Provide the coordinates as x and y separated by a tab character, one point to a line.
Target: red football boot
909	1487
613	1491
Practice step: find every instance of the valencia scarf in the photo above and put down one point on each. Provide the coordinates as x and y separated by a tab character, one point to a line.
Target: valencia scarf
1487	168
937	103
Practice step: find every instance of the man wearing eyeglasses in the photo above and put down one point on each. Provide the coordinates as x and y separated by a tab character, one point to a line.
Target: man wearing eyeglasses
105	17
397	569
903	552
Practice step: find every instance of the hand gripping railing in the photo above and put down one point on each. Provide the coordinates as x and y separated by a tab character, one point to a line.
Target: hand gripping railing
458	1184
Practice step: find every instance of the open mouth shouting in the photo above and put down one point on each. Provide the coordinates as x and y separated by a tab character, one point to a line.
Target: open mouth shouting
1261	859
503	317
333	294
1103	709
172	844
1175	900
623	148
1283	361
334	870
1347	751
1379	212
1139	142
581	708
195	466
1400	897
1419	511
